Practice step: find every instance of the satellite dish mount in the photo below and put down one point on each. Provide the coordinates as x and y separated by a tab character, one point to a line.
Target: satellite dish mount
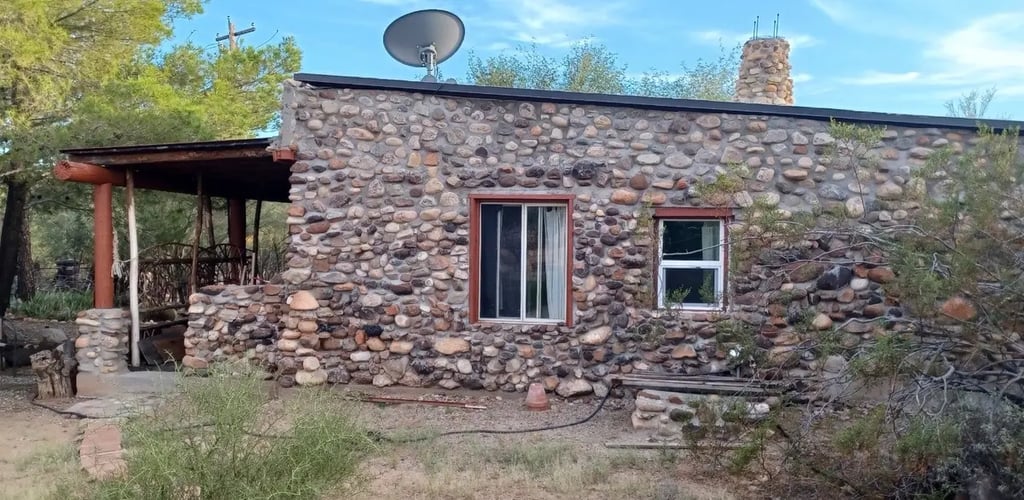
428	56
424	39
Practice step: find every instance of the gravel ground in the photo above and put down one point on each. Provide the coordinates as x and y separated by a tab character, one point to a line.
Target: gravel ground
503	411
400	471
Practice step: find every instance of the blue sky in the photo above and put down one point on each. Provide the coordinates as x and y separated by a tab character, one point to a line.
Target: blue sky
899	56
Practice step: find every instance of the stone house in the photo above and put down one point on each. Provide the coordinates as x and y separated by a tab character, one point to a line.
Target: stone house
461	236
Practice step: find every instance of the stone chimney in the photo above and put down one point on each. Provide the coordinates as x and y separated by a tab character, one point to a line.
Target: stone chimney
764	72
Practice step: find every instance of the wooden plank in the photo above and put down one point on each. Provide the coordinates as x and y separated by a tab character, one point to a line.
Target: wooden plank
698	383
174	156
697	388
162	308
156	326
708	378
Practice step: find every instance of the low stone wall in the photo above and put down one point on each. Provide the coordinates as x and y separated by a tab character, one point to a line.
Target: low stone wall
232	322
656	410
102	343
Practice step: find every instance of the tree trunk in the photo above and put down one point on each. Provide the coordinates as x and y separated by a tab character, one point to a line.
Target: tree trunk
10	238
53	375
26	268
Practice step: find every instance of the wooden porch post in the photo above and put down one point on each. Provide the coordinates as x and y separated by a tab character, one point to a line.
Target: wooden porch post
133	273
103	246
236	235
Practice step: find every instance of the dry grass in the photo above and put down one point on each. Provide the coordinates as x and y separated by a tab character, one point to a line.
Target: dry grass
526	467
53	469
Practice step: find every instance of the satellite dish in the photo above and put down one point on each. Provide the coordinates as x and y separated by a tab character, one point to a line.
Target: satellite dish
424	38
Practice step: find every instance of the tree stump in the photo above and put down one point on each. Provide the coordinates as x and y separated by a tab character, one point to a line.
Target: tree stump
53	375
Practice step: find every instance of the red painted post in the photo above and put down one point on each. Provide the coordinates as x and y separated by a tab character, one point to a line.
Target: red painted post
103	245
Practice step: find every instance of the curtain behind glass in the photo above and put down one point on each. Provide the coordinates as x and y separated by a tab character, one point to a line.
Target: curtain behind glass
555	239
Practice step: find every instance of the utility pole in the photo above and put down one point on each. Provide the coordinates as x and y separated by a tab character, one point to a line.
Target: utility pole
232	34
236	206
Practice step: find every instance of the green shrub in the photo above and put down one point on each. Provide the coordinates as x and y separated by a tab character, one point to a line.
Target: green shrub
60	306
226	438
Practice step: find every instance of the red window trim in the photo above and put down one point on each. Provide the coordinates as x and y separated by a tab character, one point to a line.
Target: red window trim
692	212
724	215
475	200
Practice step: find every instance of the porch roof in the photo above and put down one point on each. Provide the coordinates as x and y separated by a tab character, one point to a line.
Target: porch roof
236	168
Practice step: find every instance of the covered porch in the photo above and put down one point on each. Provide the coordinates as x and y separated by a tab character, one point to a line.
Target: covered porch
236	171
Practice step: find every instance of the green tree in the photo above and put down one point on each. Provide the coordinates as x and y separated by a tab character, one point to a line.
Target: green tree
95	75
591	67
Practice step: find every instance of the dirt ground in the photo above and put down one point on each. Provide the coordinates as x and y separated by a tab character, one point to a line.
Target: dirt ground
36	445
40	448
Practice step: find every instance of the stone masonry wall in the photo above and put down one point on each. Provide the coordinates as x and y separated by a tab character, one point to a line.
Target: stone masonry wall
103	340
232	322
764	72
380	236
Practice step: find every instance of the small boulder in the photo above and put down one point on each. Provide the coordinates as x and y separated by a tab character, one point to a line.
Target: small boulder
451	345
881	275
303	301
318	377
573	387
835	278
821	322
194	362
684	351
597	335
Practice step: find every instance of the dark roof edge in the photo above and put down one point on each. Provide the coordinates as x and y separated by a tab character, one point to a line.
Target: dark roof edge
174	146
659	103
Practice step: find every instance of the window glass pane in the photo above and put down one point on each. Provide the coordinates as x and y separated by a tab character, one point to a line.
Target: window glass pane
546	246
517	282
690	286
534	263
690	240
510	234
489	260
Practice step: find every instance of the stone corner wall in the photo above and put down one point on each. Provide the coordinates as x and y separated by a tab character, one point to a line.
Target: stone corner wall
232	322
102	344
764	72
379	225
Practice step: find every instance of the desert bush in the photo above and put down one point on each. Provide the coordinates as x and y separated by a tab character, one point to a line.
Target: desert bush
225	437
55	305
929	403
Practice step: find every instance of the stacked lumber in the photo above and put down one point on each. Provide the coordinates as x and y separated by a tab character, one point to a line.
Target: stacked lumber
702	384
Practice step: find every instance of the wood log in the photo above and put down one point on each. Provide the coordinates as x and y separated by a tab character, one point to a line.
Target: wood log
133	268
53	375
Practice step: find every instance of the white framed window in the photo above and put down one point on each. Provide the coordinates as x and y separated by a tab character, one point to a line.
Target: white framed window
522	262
691	263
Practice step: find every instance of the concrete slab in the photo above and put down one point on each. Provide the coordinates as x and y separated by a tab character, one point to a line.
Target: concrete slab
116	407
93	385
100	452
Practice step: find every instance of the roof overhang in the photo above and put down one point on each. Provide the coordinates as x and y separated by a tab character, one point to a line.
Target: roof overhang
654	103
243	168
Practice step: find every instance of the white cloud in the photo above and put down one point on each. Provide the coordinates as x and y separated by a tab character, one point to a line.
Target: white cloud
872	77
802	77
497	46
714	37
987	49
836	10
556	23
984	52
